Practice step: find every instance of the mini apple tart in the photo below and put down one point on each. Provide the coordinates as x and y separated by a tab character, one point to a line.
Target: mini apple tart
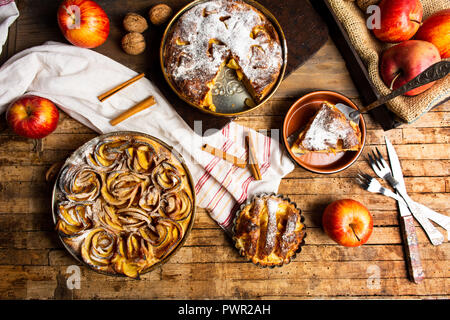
269	230
123	203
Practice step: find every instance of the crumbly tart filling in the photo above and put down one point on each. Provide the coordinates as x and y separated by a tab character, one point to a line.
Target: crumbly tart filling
269	231
328	131
124	206
217	33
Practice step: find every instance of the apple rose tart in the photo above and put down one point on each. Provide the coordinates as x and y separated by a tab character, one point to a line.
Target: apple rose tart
123	203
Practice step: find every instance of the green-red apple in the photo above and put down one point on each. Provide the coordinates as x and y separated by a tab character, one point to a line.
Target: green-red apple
436	29
404	61
400	20
32	117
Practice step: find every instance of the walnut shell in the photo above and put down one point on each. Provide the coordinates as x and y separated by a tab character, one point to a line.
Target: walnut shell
133	43
160	13
134	22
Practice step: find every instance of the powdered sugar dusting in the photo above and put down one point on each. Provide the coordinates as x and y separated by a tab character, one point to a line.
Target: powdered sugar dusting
325	131
272	228
230	24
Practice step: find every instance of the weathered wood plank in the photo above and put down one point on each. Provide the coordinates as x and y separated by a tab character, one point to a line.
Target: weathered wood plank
228	288
298	270
349	186
199	237
310	253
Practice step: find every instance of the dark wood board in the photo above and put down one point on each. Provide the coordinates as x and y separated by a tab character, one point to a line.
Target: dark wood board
356	67
305	31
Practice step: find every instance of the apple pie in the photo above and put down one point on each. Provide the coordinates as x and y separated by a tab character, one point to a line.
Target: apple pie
328	131
269	230
221	33
125	205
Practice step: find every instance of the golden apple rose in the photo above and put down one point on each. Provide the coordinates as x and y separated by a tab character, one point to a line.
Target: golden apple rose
74	218
98	248
80	183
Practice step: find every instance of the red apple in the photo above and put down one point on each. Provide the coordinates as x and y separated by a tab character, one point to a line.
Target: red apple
400	20
404	61
347	222
436	29
32	117
83	22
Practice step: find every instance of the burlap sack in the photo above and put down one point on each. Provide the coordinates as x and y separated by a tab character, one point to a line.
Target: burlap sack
352	14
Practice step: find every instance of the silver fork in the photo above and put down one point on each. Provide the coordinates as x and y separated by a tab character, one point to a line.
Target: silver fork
382	169
372	185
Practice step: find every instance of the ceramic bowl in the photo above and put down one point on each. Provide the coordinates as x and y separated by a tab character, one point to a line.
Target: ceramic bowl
298	116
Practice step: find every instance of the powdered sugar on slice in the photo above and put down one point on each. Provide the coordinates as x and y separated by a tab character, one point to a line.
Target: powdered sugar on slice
325	131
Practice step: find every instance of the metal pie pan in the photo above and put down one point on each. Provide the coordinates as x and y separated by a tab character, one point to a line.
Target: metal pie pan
77	156
259	196
231	103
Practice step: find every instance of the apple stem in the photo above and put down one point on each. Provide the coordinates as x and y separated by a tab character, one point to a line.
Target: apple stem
420	23
70	13
351	226
395	78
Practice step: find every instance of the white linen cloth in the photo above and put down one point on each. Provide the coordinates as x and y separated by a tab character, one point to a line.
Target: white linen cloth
8	14
73	77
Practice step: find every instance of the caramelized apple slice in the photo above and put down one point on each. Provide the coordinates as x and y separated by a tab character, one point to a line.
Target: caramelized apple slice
176	205
79	183
74	218
172	232
167	177
98	248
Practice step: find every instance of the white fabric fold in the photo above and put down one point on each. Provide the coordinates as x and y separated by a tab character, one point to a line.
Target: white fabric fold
73	77
8	14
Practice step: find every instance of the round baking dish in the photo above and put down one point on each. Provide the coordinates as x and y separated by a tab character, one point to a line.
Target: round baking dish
231	104
57	195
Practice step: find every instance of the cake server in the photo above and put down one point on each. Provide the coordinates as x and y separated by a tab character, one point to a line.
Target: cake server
435	72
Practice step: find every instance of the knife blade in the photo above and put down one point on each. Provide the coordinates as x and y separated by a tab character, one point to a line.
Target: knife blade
433	234
410	241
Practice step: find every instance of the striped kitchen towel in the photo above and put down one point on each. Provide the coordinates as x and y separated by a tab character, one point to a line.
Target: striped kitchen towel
222	187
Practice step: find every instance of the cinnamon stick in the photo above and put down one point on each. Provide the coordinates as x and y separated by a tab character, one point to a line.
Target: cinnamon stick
252	159
121	86
137	108
225	156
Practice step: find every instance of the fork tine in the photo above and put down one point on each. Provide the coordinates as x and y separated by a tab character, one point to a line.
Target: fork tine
367	176
383	162
371	161
361	182
377	160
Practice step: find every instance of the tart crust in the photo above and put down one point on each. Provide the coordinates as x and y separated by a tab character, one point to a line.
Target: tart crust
269	230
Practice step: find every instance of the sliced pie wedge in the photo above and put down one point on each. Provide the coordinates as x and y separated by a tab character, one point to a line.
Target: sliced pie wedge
328	131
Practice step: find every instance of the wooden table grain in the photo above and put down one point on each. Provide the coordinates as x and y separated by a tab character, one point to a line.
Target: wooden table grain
34	264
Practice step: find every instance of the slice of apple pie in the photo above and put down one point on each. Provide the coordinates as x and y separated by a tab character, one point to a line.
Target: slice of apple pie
328	131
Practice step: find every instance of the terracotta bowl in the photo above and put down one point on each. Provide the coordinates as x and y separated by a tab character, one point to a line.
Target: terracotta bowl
298	116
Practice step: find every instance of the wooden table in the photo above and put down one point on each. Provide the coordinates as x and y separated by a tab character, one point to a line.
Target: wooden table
34	265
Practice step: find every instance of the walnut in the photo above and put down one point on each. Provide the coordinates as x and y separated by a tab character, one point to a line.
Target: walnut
133	43
160	13
134	22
